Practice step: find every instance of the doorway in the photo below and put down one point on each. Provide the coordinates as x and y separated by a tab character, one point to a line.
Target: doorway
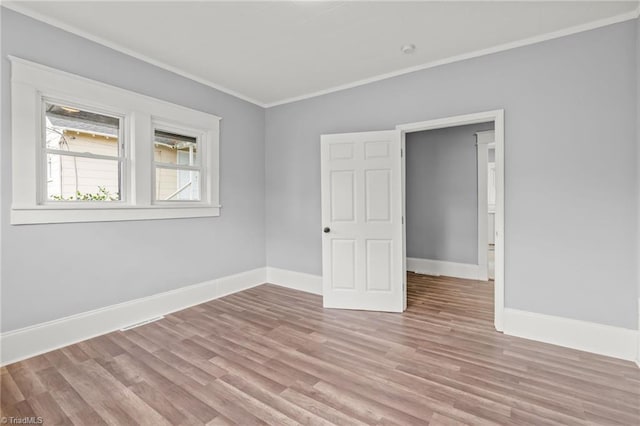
489	143
363	187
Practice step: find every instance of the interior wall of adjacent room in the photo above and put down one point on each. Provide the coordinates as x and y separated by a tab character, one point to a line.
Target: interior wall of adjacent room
570	122
52	271
442	194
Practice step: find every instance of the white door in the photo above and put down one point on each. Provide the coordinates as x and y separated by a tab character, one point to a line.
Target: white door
362	260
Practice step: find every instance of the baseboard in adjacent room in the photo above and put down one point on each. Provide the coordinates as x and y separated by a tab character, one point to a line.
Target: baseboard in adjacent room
449	269
616	342
295	280
40	338
638	351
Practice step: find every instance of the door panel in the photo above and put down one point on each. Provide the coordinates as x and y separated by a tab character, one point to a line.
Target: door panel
342	196
378	195
341	151
378	149
362	220
379	274
343	254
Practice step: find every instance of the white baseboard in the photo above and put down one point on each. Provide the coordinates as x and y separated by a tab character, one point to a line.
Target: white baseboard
40	338
449	269
586	336
295	280
638	353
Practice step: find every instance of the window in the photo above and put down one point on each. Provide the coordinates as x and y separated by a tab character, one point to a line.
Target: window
85	151
177	166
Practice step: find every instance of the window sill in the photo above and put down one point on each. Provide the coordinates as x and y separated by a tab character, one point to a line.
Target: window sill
46	214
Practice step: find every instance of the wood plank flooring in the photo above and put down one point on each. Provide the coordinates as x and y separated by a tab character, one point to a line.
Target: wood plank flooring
271	355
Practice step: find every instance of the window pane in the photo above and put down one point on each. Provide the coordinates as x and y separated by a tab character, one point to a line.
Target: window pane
172	184
85	179
172	148
71	129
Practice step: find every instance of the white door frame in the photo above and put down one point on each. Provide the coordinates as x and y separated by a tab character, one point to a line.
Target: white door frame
483	140
497	116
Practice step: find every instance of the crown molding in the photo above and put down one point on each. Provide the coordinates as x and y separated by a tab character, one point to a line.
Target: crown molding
634	14
17	7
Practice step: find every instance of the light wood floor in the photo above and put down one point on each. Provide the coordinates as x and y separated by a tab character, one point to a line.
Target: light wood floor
273	355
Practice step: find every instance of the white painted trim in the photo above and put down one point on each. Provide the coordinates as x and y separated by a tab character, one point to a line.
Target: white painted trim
403	175
452	121
41	214
2	153
449	269
16	7
586	336
499	283
487	137
638	348
482	141
38	69
32	83
295	280
470	55
497	116
141	323
40	338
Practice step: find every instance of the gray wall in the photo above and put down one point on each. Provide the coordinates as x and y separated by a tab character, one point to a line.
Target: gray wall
562	211
442	194
51	271
570	146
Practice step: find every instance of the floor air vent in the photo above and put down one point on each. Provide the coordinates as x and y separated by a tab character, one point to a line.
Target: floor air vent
138	324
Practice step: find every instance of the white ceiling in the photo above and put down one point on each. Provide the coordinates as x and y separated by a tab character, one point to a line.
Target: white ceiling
270	52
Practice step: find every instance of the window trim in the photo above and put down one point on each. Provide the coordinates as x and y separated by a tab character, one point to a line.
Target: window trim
32	82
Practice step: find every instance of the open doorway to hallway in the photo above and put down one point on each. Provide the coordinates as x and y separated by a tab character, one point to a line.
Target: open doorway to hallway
446	201
453	200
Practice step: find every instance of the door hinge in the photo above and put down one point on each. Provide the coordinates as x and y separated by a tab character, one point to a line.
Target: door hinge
401	153
403	220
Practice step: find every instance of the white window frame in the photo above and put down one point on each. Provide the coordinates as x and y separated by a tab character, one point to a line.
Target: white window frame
31	83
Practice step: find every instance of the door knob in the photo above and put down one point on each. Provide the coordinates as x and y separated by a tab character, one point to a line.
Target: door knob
326	230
